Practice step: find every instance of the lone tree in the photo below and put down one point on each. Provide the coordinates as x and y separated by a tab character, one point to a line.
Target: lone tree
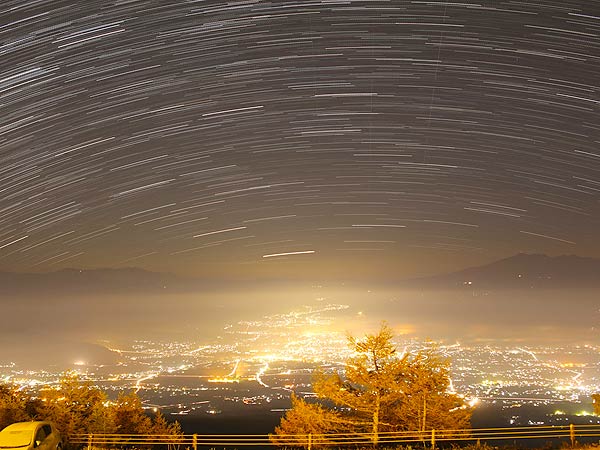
380	391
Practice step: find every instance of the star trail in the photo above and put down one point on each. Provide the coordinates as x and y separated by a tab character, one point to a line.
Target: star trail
356	137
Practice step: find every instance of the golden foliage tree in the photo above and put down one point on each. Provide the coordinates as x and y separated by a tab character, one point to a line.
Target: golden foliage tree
382	391
78	407
160	426
13	406
129	415
596	402
306	425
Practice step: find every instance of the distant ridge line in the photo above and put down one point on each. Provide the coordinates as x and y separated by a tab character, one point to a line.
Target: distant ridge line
521	271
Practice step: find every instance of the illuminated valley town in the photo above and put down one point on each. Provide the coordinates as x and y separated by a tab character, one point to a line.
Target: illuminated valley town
249	371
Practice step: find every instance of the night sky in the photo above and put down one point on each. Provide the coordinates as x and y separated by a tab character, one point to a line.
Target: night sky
374	139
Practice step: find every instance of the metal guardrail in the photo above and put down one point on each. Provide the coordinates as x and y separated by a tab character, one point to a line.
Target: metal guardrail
429	437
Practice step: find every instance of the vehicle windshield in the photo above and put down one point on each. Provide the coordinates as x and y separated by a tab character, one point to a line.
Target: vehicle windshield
15	438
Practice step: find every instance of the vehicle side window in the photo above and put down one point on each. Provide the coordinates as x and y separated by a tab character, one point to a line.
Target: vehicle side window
40	436
47	430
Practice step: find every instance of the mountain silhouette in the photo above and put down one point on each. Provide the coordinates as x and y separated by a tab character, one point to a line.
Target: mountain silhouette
77	281
521	271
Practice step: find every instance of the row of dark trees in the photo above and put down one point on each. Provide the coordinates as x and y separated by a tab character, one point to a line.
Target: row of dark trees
77	407
380	391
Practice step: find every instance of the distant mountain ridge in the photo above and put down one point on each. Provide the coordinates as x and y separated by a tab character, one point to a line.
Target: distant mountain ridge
521	271
78	281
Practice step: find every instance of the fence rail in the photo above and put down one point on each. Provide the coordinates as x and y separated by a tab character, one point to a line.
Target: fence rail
430	437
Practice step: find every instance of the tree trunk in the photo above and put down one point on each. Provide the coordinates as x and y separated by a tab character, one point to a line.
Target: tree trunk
424	410
376	409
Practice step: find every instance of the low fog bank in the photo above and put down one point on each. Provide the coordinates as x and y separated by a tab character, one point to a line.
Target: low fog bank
51	330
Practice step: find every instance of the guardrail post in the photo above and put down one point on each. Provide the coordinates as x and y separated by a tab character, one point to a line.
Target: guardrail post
90	439
572	434
195	441
432	438
309	441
